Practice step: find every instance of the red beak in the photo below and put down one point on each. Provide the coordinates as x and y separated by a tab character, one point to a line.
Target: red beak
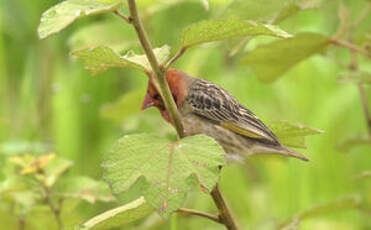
147	102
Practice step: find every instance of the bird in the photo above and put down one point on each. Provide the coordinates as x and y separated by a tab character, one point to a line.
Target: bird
206	108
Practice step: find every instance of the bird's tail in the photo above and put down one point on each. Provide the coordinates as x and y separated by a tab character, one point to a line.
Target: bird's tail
291	153
281	150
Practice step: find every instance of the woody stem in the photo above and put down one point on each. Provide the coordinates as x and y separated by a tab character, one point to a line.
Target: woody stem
225	214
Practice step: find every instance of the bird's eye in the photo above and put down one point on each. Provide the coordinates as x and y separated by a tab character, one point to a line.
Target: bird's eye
156	97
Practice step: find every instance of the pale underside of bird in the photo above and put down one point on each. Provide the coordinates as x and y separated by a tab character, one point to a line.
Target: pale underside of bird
206	108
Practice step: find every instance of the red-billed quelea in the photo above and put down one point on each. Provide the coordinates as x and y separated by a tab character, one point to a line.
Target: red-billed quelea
206	108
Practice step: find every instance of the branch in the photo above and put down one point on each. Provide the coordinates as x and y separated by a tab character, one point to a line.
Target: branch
362	16
343	15
355	67
350	46
175	57
225	214
199	213
55	210
159	73
126	19
21	222
366	109
362	93
239	46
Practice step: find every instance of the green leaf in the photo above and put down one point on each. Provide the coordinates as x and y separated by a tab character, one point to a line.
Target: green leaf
292	134
65	13
101	58
85	188
125	106
168	169
330	207
15	191
359	77
351	142
111	33
25	200
119	216
294	225
349	202
215	30
272	60
55	169
290	9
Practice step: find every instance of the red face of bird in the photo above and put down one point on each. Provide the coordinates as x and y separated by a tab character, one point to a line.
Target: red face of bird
177	84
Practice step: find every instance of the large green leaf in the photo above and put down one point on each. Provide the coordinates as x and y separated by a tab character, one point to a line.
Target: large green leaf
292	134
272	60
63	14
167	169
215	30
119	216
101	58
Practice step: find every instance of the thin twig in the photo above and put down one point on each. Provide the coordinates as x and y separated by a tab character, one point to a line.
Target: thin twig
366	109
199	213
224	212
361	16
350	46
126	19
343	14
55	210
159	73
236	49
21	222
355	67
175	57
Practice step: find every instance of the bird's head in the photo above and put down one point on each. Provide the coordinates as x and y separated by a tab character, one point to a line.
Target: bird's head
177	81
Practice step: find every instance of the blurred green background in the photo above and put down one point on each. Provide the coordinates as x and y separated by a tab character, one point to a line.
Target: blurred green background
47	98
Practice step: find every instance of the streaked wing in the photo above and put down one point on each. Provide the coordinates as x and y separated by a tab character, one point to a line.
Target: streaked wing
216	104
